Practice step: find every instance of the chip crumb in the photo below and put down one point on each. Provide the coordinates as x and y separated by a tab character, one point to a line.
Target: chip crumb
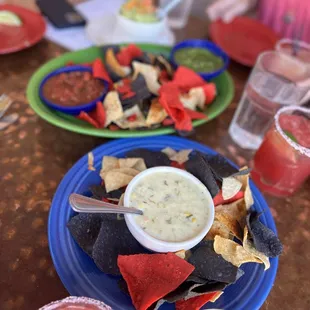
91	161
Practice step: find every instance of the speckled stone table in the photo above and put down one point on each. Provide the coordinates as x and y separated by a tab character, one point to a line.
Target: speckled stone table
34	156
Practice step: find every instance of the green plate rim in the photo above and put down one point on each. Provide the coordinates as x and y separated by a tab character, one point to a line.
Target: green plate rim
58	119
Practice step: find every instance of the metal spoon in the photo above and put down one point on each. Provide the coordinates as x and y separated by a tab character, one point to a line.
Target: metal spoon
162	12
84	204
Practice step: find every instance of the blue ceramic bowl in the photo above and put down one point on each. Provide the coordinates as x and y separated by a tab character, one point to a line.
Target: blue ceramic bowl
204	44
75	110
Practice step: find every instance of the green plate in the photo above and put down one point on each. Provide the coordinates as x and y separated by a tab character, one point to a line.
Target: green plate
223	82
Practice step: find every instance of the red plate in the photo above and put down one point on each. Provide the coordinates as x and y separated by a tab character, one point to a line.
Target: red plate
12	38
243	39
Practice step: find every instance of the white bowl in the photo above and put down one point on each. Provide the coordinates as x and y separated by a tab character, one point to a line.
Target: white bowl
139	29
152	243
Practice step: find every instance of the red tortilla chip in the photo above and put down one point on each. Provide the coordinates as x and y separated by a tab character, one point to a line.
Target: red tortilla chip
219	200
186	79
151	276
169	99
87	118
209	90
194	303
195	114
98	115
175	164
100	72
168	121
127	54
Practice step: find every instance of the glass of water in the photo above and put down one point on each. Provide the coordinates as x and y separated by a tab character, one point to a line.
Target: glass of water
276	80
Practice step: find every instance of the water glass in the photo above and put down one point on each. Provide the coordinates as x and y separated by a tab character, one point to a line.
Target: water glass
274	82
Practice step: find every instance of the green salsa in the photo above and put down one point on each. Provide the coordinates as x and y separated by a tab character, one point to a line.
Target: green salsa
198	59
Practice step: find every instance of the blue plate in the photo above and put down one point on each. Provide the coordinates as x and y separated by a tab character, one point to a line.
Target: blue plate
79	273
207	45
74	110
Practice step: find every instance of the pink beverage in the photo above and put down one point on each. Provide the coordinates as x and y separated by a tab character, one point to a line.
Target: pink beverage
282	163
76	303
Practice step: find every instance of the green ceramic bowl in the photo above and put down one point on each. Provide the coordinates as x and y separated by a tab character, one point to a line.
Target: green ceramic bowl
223	83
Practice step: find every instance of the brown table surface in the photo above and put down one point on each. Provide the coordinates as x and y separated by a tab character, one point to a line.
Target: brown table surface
34	156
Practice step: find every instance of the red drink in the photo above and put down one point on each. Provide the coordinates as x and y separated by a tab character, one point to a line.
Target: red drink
76	303
281	164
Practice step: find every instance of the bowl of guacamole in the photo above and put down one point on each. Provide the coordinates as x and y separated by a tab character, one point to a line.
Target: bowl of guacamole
202	56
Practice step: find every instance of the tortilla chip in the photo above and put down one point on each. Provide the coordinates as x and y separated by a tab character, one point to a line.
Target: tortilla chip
114	239
232	216
230	187
245	180
108	163
181	157
169	151
114	64
183	254
90	158
233	252
216	296
134	163
200	168
117	178
151	158
250	248
217	229
194	99
211	266
265	240
85	228
156	113
150	74
221	167
195	303
125	123
113	107
151	276
99	192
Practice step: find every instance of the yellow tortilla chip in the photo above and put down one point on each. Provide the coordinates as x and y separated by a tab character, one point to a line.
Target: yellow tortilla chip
109	163
156	113
114	64
135	163
230	187
216	297
233	252
90	157
115	179
181	157
183	254
113	107
150	75
250	248
232	215
124	123
169	151
194	99
218	229
244	179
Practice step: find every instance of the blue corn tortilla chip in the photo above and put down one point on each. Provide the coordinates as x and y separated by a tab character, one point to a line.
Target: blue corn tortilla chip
114	239
139	87
211	266
265	240
99	192
199	167
163	64
151	158
85	228
145	58
221	167
242	172
114	47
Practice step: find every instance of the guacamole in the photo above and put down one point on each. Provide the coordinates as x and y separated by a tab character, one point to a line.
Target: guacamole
142	11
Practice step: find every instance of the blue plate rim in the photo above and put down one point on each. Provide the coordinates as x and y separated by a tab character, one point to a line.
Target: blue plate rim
258	295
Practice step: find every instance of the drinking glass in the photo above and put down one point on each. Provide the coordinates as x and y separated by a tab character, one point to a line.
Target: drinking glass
76	303
178	17
282	163
275	81
286	46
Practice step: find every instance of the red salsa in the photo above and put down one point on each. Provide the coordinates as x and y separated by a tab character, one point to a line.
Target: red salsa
73	88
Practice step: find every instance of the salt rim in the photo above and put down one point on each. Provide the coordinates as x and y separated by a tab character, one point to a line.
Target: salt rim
73	299
303	150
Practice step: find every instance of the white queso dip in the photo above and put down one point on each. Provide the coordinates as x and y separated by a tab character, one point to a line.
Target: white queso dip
174	208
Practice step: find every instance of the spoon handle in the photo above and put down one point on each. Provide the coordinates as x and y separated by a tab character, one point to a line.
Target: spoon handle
84	204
